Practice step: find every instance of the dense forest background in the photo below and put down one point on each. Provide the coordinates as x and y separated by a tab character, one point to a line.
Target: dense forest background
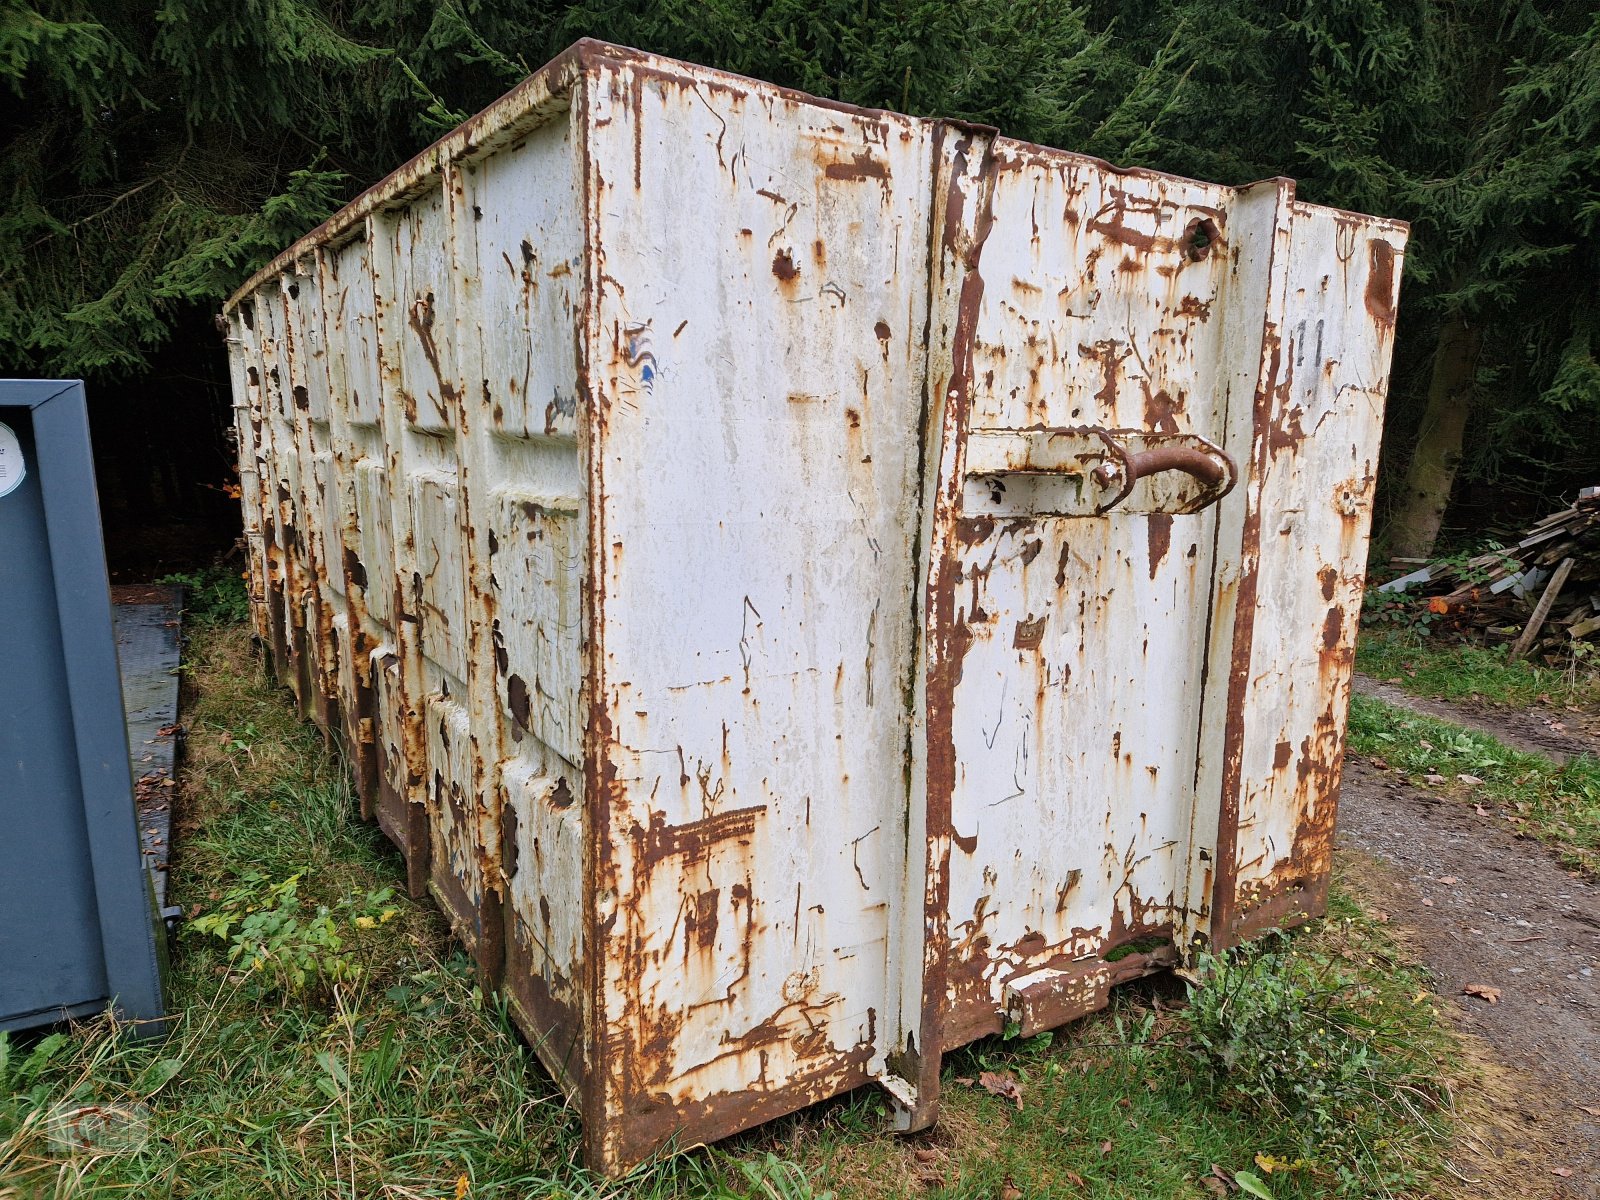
157	151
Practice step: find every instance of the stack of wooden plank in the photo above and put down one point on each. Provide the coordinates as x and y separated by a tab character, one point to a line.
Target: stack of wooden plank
1554	568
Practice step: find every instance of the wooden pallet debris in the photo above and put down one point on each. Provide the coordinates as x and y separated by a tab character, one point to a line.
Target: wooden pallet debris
1546	586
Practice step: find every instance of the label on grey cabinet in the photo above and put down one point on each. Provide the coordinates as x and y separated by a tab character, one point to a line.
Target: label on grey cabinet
12	468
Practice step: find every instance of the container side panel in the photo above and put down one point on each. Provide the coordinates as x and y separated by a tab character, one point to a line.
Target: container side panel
303	301
1316	453
245	372
439	578
394	808
375	528
450	749
538	572
422	265
518	225
303	350
349	328
1083	636
530	246
541	859
348	306
762	266
408	671
289	519
418	334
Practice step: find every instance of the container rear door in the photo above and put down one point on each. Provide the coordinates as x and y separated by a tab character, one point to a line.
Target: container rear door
1083	552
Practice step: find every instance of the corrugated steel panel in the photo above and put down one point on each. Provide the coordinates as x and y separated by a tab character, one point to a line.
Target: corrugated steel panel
804	586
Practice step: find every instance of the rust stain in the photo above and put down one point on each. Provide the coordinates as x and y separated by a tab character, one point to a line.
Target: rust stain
1333	630
1028	634
859	167
1161	410
508	842
1379	297
1159	535
695	839
520	702
1328	578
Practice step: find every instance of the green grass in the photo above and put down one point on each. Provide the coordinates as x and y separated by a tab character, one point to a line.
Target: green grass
1445	670
393	1076
1558	804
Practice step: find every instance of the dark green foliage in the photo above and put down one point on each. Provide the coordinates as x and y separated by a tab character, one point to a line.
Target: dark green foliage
212	595
157	150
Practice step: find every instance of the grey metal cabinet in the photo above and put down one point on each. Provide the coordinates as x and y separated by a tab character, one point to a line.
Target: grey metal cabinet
78	928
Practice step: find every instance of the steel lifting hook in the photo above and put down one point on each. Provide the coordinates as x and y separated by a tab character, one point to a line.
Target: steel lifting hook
1197	463
1124	467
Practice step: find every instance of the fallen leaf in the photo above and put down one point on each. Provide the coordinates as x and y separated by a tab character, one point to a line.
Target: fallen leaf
463	1186
1009	1190
1105	1147
1214	1185
1251	1185
1472	779
1003	1086
1483	991
1438	604
1480	810
1270	1163
964	1080
1381	763
1563	1172
1447	880
932	1176
1426	903
924	1154
1593	1112
1075	1179
1432	780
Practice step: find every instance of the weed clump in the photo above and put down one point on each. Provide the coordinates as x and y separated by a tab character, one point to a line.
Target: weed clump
1301	1040
274	938
213	596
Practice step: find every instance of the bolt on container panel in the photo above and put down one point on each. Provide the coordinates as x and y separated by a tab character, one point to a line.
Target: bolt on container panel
804	586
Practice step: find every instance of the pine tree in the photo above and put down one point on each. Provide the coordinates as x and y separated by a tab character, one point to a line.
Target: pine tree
1476	122
159	150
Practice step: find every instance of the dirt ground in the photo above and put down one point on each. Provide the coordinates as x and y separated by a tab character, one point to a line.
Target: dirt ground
1484	908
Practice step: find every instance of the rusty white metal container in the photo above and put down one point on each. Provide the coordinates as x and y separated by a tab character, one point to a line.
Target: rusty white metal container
806	586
